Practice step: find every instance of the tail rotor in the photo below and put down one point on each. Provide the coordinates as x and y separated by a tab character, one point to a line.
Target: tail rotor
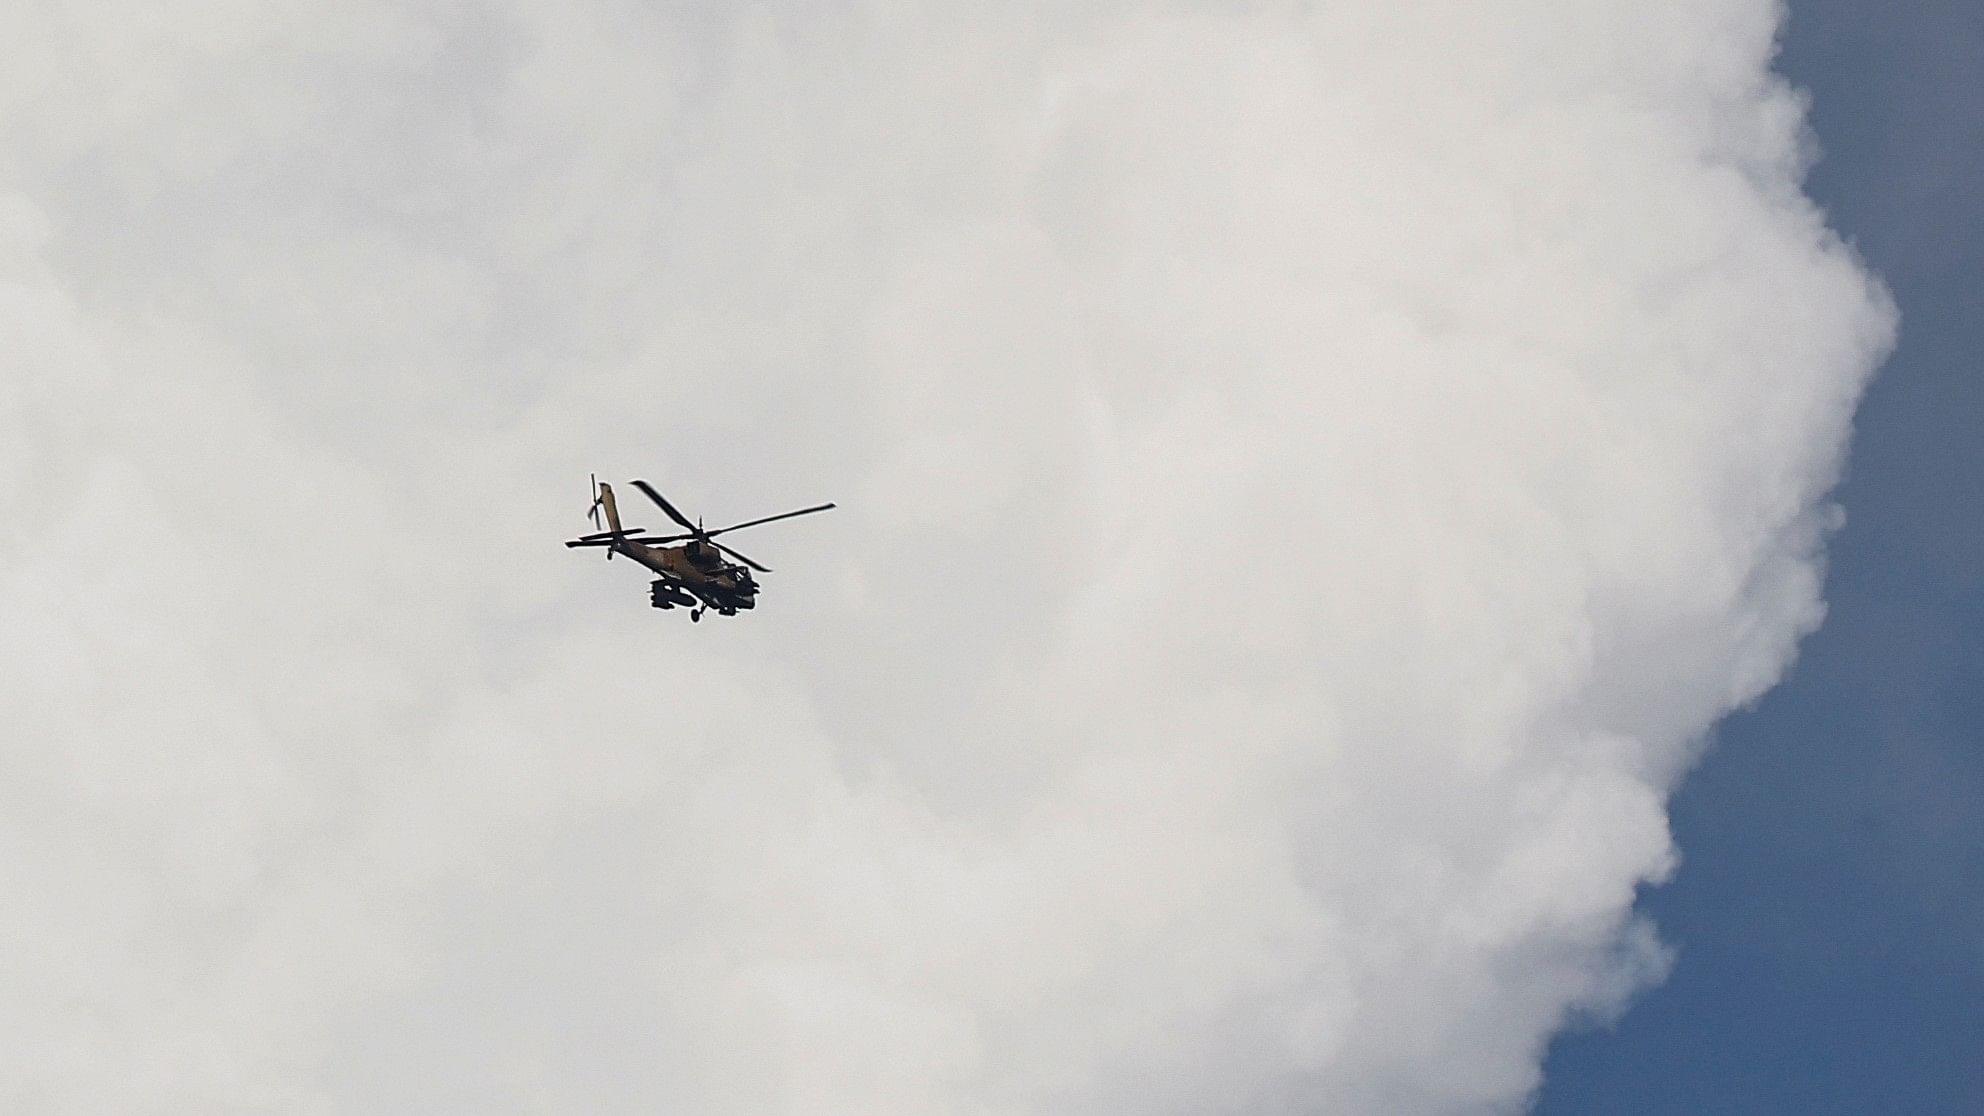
610	534
593	512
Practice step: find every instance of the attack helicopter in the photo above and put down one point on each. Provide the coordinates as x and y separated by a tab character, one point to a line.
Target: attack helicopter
695	574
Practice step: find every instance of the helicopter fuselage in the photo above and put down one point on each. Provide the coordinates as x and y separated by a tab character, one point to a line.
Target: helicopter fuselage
697	569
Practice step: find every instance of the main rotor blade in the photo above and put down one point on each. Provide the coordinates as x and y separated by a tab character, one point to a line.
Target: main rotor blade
666	506
609	538
767	519
615	534
739	557
613	540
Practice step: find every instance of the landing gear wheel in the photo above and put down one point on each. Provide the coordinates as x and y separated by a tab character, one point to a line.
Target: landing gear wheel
696	616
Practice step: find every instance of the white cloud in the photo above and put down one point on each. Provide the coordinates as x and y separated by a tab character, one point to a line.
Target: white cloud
1309	480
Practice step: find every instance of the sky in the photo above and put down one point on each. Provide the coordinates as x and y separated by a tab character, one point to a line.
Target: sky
1311	480
1828	914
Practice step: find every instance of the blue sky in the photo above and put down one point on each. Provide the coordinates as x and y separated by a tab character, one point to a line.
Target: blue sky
1829	911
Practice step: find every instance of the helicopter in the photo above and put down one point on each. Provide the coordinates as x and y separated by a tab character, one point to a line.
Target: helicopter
695	574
